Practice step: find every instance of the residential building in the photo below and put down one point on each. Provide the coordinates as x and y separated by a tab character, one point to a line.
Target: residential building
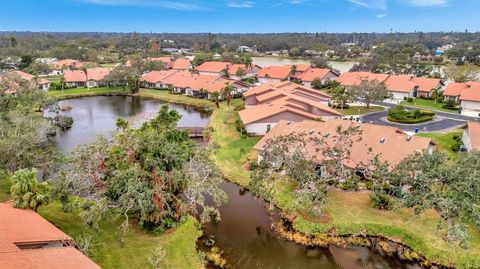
323	74
271	74
399	87
471	136
243	49
74	78
242	71
390	144
271	91
467	94
41	83
96	75
182	64
157	79
29	241
213	68
59	66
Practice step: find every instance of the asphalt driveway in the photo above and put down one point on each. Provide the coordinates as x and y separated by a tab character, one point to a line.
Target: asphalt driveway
440	123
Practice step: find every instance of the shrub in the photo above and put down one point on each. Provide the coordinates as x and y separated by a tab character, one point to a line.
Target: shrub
439	100
381	201
410	99
401	115
252	165
450	104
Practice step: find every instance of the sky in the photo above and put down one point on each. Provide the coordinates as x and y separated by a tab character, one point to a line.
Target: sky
239	16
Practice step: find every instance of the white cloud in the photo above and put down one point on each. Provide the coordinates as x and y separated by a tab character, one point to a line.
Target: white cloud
382	15
374	4
177	5
428	3
241	4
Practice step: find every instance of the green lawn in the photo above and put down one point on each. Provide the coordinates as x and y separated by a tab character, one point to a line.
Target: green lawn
351	213
428	104
234	152
359	110
78	92
166	96
179	244
444	141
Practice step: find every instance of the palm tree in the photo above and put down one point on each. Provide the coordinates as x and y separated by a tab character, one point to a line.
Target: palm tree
226	93
215	96
27	192
341	96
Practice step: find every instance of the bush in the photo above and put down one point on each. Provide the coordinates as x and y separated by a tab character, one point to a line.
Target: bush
401	115
252	165
410	99
381	201
450	104
439	100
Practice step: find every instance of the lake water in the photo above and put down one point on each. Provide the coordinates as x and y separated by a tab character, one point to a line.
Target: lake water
244	232
93	116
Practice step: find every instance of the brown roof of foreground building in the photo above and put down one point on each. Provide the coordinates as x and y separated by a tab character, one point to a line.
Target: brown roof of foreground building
354	78
467	91
213	67
287	102
158	76
30	77
473	129
74	76
29	241
391	144
276	72
265	90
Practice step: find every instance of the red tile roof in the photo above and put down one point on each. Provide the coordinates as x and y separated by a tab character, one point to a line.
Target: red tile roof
74	76
158	76
468	91
427	84
97	73
390	143
20	227
52	258
181	64
473	129
29	77
67	63
213	67
314	73
275	72
354	78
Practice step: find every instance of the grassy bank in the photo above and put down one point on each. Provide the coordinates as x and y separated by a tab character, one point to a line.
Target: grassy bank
359	110
179	244
428	104
80	92
166	96
235	151
349	212
445	141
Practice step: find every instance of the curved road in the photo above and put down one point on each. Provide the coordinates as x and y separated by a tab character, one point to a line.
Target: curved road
443	120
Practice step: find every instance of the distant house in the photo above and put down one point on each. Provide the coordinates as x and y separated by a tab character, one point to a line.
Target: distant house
157	79
61	65
29	241
96	75
213	68
471	136
323	74
241	71
41	83
74	78
182	64
467	94
399	87
243	49
271	74
390	144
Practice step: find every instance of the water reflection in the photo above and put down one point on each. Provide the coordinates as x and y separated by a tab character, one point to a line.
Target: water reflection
95	116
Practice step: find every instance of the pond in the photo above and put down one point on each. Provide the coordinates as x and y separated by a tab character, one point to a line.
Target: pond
244	232
93	116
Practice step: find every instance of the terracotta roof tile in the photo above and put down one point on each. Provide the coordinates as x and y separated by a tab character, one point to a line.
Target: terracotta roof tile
276	72
391	143
354	78
74	76
314	73
213	67
97	73
473	129
181	64
468	91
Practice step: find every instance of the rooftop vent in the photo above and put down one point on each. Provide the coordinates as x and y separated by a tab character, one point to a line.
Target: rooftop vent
409	138
288	123
382	140
311	132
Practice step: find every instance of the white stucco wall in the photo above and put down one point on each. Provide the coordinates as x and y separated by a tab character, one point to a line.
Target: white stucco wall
399	95
470	108
466	140
258	128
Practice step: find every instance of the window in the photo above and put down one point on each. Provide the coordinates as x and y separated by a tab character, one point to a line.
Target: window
268	127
